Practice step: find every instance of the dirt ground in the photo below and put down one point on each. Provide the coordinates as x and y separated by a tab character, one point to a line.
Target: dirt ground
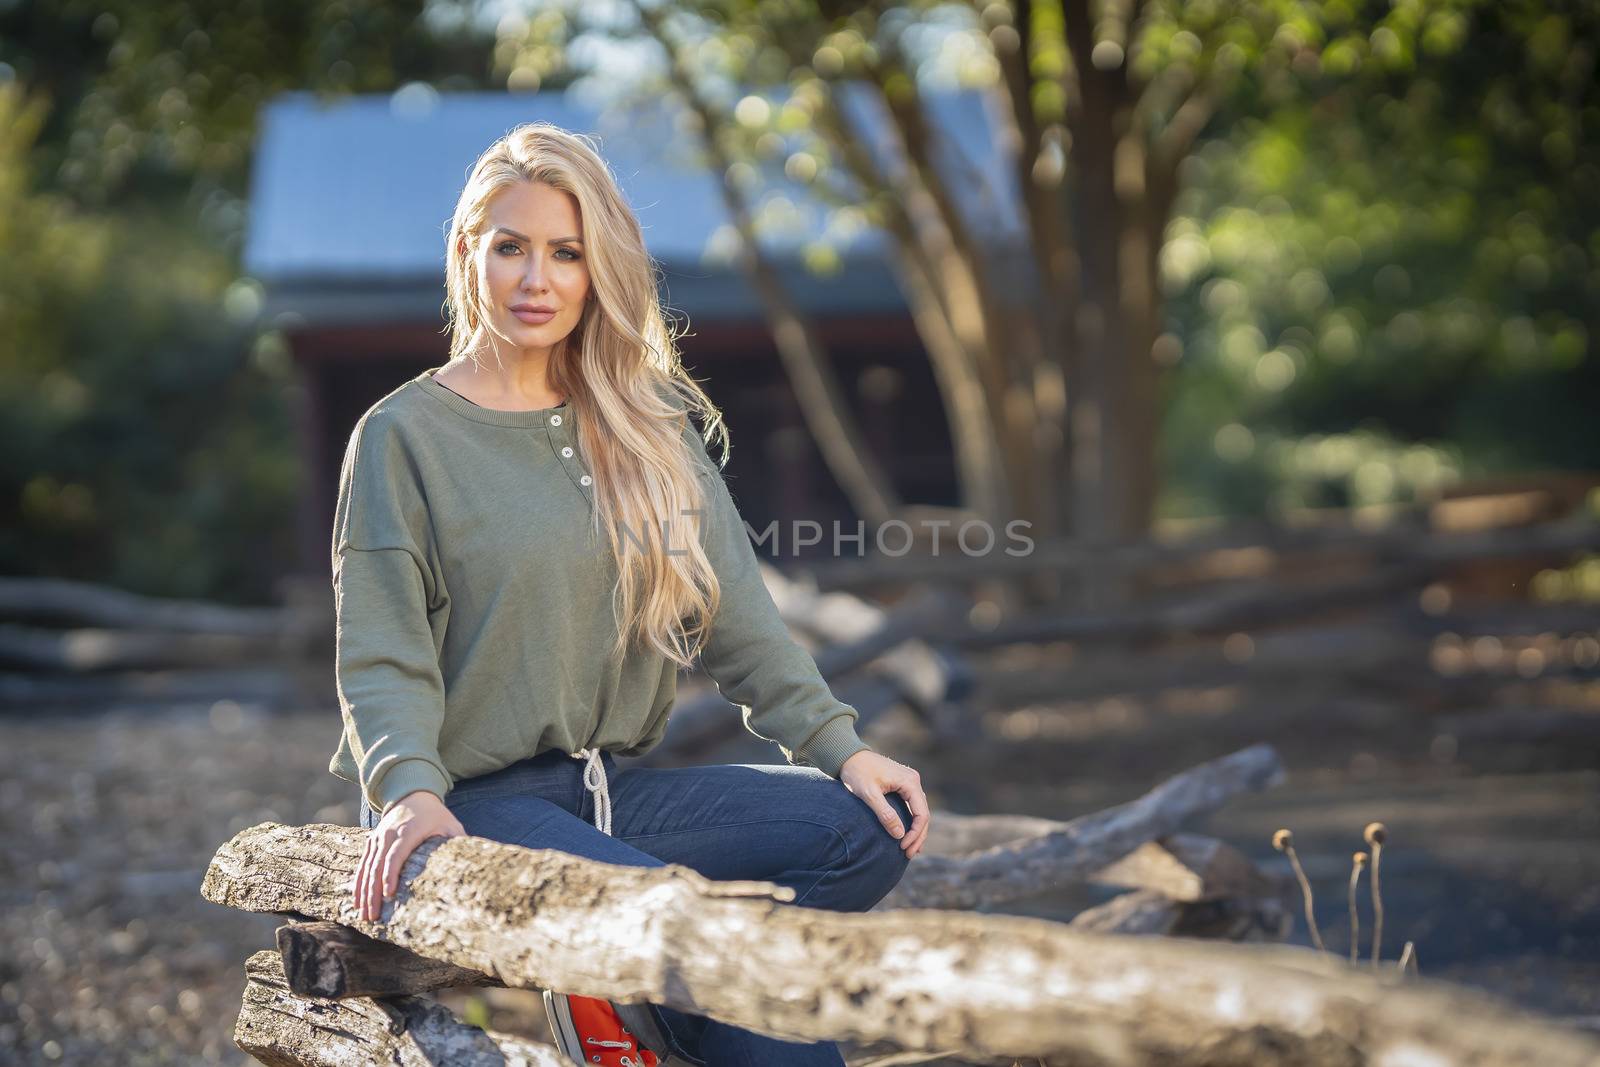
108	954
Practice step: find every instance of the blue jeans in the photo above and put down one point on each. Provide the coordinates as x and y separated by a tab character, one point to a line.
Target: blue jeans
794	826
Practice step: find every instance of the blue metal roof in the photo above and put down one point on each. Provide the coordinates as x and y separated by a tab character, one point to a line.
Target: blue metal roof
350	200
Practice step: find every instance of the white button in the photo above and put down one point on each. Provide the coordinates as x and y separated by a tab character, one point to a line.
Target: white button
586	479
555	420
567	452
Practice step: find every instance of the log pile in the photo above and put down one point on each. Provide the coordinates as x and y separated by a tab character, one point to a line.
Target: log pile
1428	620
985	989
77	646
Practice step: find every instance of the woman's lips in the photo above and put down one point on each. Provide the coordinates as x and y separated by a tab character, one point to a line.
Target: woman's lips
534	318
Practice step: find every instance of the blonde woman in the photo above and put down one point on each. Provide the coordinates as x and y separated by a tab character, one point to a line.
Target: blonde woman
529	543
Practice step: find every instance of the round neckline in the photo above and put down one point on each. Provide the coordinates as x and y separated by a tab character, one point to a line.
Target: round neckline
530	419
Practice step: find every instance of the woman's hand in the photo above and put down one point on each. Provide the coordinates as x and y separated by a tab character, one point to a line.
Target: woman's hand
409	822
870	775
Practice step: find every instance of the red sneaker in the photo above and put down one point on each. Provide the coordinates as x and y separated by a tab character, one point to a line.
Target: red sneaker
589	1031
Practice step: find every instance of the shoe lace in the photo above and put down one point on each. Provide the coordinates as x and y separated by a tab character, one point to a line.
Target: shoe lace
624	1060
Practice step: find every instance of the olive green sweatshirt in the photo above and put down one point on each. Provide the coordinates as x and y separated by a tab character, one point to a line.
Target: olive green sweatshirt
473	606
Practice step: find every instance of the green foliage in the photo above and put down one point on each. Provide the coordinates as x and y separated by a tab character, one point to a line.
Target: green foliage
140	447
149	95
148	441
1405	261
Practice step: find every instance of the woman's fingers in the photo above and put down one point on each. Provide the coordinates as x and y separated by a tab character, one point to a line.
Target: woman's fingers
363	870
380	843
909	786
394	857
917	801
384	854
369	903
886	815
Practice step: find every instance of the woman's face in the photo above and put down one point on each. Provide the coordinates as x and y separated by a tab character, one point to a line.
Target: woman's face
531	257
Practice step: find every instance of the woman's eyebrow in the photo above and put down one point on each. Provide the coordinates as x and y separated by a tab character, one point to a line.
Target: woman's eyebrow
554	241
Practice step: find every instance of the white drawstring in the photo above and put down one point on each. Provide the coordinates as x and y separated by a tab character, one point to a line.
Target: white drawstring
594	780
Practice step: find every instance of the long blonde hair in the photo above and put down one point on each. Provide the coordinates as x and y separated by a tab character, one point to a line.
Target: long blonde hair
618	369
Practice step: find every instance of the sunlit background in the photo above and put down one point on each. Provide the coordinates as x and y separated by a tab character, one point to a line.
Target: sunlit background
1127	271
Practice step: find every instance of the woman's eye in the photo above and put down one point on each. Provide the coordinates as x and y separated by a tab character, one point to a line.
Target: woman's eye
503	245
575	256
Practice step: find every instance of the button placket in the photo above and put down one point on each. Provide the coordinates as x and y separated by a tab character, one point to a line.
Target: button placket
569	461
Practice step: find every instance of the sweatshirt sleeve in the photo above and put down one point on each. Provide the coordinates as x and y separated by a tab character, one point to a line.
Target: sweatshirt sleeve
391	690
750	654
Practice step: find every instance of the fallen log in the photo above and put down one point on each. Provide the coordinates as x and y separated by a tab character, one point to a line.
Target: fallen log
1239	606
1084	845
1329	650
325	959
927	980
282	1029
1189	868
1271	543
1141	911
328	960
1145	912
60	602
87	649
1178	866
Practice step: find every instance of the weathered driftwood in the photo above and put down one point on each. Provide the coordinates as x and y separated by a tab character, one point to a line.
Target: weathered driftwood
282	1029
957	835
1190	867
928	980
1142	911
325	959
329	960
1179	866
1148	912
1084	845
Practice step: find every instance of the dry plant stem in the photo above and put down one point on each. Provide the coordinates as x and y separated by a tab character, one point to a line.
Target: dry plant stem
1305	893
1408	958
1355	918
1377	905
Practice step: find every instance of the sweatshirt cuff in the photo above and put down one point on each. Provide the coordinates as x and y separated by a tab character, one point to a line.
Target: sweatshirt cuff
408	776
832	745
